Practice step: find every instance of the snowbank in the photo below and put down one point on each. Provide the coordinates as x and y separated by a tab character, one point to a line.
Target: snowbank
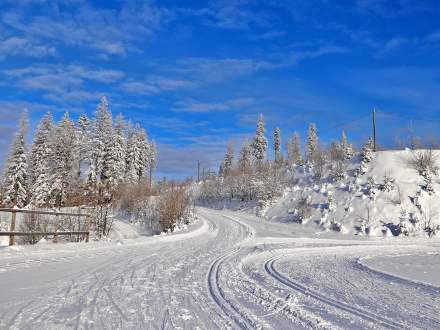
388	199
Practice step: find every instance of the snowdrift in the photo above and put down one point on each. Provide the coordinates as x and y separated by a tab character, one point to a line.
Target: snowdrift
386	196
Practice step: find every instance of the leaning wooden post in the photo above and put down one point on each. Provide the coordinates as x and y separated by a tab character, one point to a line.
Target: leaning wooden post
55	236
12	229
88	227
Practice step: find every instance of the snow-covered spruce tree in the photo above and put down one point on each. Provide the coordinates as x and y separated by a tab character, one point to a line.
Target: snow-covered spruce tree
245	159
388	183
103	133
120	147
404	228
144	147
346	148
228	159
277	147
338	161
138	151
40	162
83	147
16	171
371	188
294	150
62	160
259	144
338	170
312	143
428	186
152	160
368	151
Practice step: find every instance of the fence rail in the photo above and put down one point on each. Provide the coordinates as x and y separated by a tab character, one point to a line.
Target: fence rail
12	233
42	233
11	210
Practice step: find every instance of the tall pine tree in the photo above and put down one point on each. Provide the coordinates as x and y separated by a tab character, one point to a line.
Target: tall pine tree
277	147
259	145
245	159
227	162
16	174
294	150
40	162
62	158
312	143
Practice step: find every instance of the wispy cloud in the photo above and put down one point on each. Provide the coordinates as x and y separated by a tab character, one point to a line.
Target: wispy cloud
196	106
16	46
234	15
61	82
79	24
390	8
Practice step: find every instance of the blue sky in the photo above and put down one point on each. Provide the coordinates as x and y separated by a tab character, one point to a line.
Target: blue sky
196	74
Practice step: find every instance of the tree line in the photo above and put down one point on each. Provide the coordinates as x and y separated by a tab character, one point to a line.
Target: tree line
250	175
76	163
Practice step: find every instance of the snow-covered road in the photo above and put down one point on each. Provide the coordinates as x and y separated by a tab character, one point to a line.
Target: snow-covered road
229	270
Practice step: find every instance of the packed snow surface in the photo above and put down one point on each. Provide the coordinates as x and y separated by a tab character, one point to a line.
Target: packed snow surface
228	270
420	268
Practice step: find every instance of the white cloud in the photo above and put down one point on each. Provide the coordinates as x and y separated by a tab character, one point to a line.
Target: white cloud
111	31
61	83
23	47
195	106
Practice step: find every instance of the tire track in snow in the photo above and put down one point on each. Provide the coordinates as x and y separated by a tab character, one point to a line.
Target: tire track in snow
219	297
366	315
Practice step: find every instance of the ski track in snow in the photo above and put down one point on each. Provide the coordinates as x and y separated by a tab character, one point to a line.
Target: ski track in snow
228	271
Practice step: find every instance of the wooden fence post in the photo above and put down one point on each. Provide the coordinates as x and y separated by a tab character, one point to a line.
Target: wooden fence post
12	229
55	236
87	228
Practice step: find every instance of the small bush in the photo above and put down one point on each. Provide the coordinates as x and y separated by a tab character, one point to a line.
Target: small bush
425	161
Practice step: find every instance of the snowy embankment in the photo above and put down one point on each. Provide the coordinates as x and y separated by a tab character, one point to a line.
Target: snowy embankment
387	196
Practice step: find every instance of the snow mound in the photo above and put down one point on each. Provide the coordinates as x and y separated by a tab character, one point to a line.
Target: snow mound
387	198
122	230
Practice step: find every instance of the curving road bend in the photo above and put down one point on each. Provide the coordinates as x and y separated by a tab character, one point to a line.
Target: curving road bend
229	270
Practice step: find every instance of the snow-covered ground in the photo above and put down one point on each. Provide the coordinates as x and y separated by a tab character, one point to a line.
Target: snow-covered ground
388	196
228	270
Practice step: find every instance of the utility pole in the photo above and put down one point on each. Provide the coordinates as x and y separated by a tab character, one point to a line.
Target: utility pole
198	171
374	129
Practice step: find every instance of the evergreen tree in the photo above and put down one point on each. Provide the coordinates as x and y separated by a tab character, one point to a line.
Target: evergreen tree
294	150
120	147
62	159
227	162
312	143
245	161
144	152
153	159
40	162
138	154
83	148
277	146
259	145
346	148
103	132
367	151
16	173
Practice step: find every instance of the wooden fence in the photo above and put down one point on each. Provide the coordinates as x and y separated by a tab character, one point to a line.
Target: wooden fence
12	233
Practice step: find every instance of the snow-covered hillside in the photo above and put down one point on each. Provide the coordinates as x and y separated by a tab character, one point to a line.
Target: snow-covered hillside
387	196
